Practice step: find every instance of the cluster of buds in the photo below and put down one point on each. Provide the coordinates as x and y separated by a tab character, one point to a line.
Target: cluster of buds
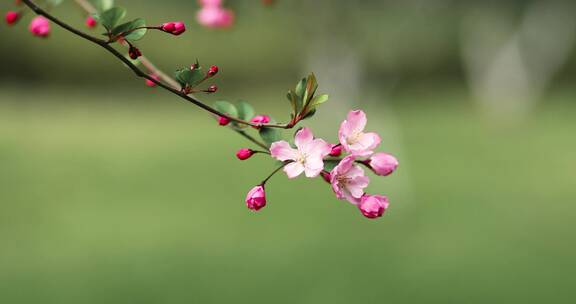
214	15
347	179
134	52
39	26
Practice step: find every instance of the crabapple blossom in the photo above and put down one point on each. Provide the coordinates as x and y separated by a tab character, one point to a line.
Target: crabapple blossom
373	206
256	198
382	164
352	136
39	27
215	16
307	158
348	180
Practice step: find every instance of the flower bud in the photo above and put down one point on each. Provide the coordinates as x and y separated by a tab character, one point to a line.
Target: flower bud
383	164
244	154
260	119
373	206
326	176
174	28
91	22
256	198
223	121
134	52
151	83
211	89
336	150
12	17
212	71
39	27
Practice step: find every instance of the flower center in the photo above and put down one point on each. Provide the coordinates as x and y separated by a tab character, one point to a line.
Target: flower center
354	138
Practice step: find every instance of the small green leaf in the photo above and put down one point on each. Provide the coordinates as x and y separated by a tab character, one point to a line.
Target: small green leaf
103	5
318	100
330	164
300	87
245	110
110	18
311	87
189	77
270	135
309	114
226	108
133	35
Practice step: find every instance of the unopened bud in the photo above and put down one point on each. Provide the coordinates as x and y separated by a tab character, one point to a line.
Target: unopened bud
244	154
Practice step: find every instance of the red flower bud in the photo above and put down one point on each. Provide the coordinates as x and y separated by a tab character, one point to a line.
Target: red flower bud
12	17
260	120
174	28
151	83
256	198
244	154
336	150
134	53
223	121
212	71
91	22
325	176
211	89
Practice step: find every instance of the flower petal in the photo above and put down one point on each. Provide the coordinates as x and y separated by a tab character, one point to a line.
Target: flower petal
356	120
303	138
282	151
293	169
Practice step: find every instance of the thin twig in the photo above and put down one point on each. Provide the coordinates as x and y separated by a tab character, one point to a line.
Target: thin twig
104	44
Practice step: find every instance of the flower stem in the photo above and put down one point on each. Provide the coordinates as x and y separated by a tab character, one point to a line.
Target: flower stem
274	172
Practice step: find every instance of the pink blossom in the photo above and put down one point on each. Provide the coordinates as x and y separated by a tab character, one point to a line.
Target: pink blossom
256	198
210	2
244	154
307	158
352	136
383	164
348	180
215	17
40	26
373	206
12	17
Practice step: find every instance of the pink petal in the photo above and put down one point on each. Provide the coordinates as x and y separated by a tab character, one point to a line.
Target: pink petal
303	138
318	148
357	185
356	120
313	166
282	151
293	169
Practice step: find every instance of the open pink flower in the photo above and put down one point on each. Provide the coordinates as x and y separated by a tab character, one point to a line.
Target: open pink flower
215	17
373	206
40	27
307	158
348	180
352	136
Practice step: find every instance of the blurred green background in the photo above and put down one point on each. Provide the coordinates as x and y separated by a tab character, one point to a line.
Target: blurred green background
111	192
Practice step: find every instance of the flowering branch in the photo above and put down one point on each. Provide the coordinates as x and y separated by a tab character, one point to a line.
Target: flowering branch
305	155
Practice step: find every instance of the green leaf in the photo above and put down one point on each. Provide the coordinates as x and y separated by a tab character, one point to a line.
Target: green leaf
309	113
110	18
318	100
300	87
189	77
134	35
270	135
245	110
295	102
330	164
103	5
226	108
310	90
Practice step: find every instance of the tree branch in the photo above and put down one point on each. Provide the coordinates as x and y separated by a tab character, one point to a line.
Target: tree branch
104	44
